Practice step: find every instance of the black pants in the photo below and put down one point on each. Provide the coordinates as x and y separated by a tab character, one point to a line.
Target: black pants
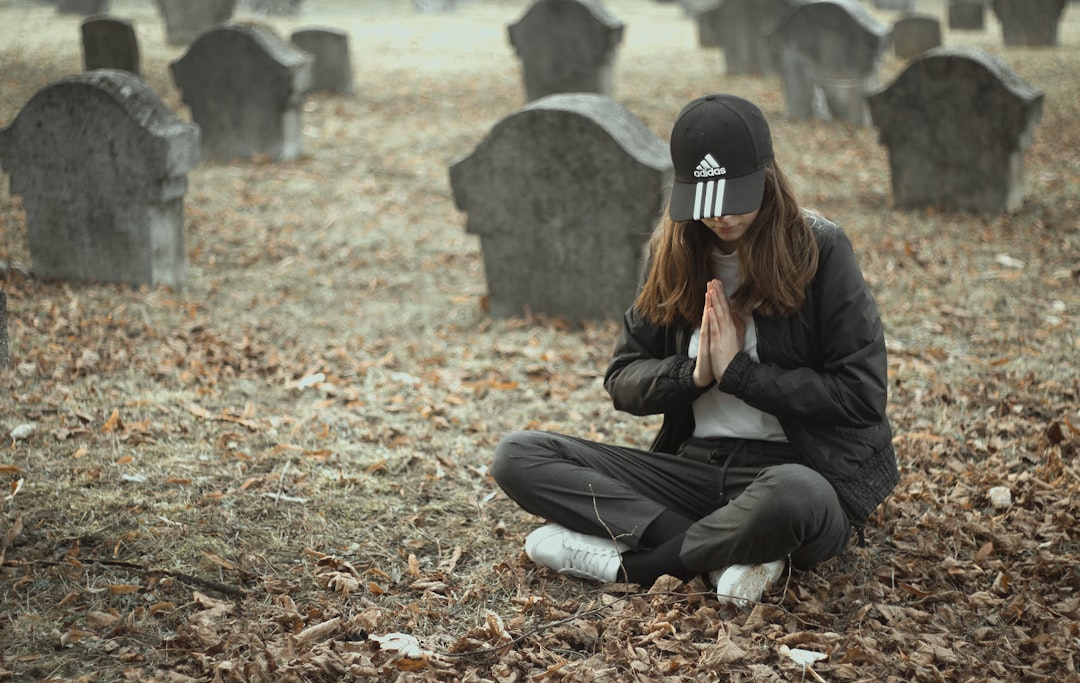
752	504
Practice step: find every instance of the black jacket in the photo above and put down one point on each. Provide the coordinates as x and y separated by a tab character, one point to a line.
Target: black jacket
823	374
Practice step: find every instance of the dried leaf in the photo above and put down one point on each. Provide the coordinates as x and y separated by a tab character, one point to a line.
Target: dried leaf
318	632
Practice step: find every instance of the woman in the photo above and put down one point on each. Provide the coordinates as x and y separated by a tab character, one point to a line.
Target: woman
757	338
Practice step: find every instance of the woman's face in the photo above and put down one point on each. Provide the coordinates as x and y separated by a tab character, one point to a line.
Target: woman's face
730	229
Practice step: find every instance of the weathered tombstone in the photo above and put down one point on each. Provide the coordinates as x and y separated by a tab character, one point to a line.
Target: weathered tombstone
109	43
956	122
563	194
5	357
83	7
897	5
281	8
245	87
914	34
101	164
332	64
738	27
186	19
1029	22
830	54
967	15
566	46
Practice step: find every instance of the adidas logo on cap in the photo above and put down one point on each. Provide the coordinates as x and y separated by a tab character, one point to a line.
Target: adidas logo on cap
708	168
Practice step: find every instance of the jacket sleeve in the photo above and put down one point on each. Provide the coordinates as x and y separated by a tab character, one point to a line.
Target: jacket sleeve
846	381
647	375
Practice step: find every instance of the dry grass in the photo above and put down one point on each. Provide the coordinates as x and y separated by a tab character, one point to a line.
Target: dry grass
194	495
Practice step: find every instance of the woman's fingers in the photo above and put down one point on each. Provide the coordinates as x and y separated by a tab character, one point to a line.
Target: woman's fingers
703	374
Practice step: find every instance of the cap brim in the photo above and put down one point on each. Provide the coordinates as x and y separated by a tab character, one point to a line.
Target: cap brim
716	197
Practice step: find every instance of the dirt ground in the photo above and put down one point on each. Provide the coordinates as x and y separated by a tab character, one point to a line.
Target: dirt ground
279	472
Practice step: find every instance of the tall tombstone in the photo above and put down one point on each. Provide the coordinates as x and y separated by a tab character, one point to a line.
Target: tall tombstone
1031	23
245	87
332	64
830	55
185	20
566	46
5	357
967	15
101	164
738	28
109	43
563	194
956	123
83	7
914	34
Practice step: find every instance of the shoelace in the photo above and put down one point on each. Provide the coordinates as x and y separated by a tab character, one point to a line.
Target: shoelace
589	559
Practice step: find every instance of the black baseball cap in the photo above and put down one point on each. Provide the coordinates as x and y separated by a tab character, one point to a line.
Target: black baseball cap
720	146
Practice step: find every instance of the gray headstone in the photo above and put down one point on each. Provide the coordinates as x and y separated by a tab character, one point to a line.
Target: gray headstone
109	43
914	34
896	5
5	357
738	27
245	86
566	46
185	20
332	63
967	15
563	194
101	164
956	122
1029	22
830	55
279	8
83	7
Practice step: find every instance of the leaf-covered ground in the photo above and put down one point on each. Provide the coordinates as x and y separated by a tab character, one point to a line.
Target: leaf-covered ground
279	473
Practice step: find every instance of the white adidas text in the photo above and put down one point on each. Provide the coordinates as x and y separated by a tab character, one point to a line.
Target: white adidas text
709	172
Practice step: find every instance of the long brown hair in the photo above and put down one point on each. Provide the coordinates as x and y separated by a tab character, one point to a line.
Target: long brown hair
778	257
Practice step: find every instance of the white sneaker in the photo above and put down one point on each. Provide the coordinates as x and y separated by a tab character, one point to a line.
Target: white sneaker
742	584
575	554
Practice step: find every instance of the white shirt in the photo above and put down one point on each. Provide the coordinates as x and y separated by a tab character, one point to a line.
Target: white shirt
717	414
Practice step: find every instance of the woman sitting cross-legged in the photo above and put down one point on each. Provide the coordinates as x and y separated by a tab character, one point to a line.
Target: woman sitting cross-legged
756	337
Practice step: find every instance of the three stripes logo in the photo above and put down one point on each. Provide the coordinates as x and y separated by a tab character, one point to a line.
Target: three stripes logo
709	194
708	168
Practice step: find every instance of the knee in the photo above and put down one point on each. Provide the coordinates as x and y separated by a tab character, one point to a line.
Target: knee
797	493
508	462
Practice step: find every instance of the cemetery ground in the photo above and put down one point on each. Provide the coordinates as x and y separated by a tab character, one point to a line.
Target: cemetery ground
268	473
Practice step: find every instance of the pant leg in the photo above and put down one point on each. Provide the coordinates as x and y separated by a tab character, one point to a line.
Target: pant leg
775	512
601	489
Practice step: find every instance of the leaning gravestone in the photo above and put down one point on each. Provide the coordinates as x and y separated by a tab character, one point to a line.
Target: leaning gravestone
830	55
956	122
563	194
109	43
914	34
186	19
738	27
83	7
967	15
566	46
332	65
245	86
5	357
1031	23
101	164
